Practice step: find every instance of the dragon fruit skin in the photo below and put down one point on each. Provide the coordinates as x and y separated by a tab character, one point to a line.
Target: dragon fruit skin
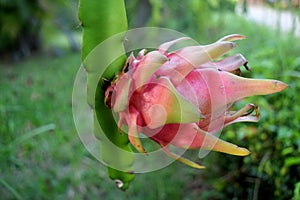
182	97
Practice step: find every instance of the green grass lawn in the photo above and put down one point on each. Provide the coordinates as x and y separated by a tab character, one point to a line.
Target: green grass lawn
39	145
42	157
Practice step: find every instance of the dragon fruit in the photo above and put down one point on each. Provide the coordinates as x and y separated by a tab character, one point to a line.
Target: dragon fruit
183	98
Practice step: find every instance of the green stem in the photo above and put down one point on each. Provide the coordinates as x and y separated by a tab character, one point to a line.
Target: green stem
102	19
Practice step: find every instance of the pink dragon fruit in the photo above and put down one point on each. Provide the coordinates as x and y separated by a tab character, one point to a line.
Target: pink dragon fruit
183	98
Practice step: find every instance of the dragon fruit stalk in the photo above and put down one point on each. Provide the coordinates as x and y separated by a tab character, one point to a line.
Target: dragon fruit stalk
182	98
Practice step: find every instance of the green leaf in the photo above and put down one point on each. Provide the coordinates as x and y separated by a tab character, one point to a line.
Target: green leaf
291	161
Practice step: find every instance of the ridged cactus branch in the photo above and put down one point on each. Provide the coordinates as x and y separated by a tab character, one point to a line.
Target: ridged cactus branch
100	20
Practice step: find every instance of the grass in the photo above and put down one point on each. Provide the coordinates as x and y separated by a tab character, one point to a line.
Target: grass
42	157
37	136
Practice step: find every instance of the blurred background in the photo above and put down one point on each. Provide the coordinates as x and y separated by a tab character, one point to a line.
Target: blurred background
41	156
